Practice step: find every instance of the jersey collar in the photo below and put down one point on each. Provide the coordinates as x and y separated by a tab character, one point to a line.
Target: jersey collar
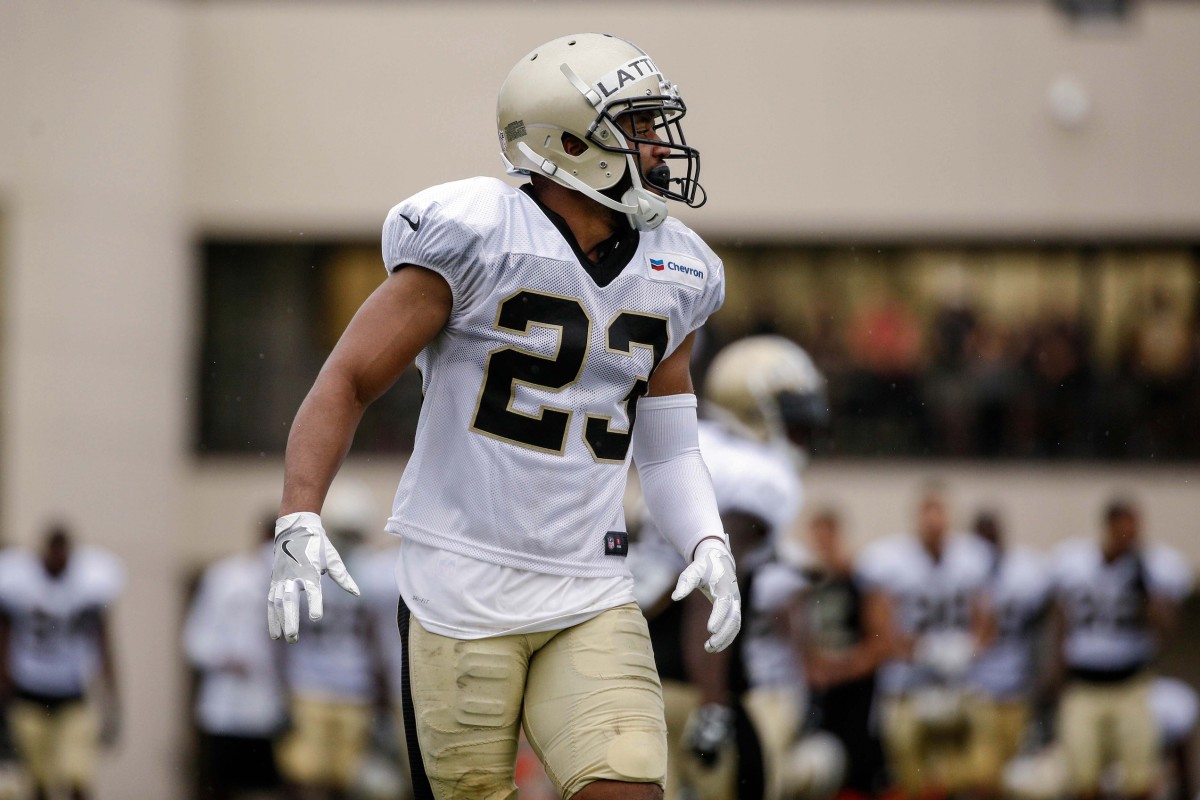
615	252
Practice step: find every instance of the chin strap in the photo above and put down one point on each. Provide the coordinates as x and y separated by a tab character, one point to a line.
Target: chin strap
646	211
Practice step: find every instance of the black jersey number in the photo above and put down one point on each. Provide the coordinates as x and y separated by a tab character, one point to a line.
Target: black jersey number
508	367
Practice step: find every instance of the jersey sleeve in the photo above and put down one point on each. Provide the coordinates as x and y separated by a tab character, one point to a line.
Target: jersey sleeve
874	566
429	230
774	587
102	576
1168	573
713	296
761	489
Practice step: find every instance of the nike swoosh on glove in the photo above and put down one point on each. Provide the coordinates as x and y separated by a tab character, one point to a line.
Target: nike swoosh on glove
712	571
303	554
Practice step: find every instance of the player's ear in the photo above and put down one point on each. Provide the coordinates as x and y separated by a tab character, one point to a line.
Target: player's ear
573	145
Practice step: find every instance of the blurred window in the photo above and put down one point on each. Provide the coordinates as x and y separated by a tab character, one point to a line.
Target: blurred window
1053	352
272	313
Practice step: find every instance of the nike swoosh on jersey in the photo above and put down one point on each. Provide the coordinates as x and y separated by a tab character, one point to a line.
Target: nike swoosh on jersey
414	224
289	552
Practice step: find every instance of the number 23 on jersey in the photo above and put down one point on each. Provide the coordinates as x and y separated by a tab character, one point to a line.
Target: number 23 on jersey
509	367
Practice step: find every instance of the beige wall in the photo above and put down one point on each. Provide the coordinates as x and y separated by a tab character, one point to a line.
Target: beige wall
96	322
130	127
815	118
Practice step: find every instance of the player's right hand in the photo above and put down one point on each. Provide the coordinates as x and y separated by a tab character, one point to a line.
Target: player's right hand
303	553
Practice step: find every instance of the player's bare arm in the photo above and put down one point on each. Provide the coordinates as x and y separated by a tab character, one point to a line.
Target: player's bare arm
396	321
390	328
674	373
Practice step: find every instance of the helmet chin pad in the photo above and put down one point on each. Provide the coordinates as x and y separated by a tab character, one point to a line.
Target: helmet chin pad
651	209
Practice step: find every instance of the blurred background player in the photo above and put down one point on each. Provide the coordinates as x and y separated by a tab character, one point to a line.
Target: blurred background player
844	642
56	659
731	719
336	674
931	580
240	706
1115	600
1004	676
385	768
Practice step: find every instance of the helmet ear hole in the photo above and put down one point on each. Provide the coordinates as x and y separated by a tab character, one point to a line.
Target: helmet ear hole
572	145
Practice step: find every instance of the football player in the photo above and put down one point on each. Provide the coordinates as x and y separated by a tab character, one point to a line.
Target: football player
1004	676
739	713
54	644
931	580
240	704
1115	598
844	642
545	320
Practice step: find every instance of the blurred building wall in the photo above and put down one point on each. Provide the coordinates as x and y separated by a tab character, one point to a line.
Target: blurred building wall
816	119
96	322
129	129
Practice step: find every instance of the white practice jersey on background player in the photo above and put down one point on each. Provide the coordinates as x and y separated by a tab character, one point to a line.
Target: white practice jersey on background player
1016	593
930	597
758	479
1105	603
335	659
523	443
224	628
374	570
54	649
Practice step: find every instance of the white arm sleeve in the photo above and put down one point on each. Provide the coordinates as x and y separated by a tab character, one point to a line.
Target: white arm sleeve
675	482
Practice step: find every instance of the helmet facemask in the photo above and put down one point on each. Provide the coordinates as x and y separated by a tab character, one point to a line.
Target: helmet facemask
653	121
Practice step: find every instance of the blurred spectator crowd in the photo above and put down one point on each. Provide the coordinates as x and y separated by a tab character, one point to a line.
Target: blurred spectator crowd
962	383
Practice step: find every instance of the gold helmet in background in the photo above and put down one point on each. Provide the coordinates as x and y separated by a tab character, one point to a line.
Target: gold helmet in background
769	387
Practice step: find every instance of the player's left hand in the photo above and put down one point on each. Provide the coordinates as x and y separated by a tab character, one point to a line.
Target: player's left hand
712	571
303	553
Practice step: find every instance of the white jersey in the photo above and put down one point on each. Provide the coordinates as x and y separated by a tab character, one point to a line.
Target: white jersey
1105	603
239	692
374	570
769	658
929	598
523	443
54	650
337	658
1016	594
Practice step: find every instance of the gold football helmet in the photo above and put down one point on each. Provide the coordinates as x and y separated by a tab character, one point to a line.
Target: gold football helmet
585	86
769	387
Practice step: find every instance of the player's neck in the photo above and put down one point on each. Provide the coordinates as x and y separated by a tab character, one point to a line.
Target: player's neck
591	223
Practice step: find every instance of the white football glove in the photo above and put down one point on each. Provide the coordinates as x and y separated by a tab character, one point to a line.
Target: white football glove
713	571
303	554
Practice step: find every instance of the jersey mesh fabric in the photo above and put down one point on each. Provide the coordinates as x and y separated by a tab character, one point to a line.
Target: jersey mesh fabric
471	491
